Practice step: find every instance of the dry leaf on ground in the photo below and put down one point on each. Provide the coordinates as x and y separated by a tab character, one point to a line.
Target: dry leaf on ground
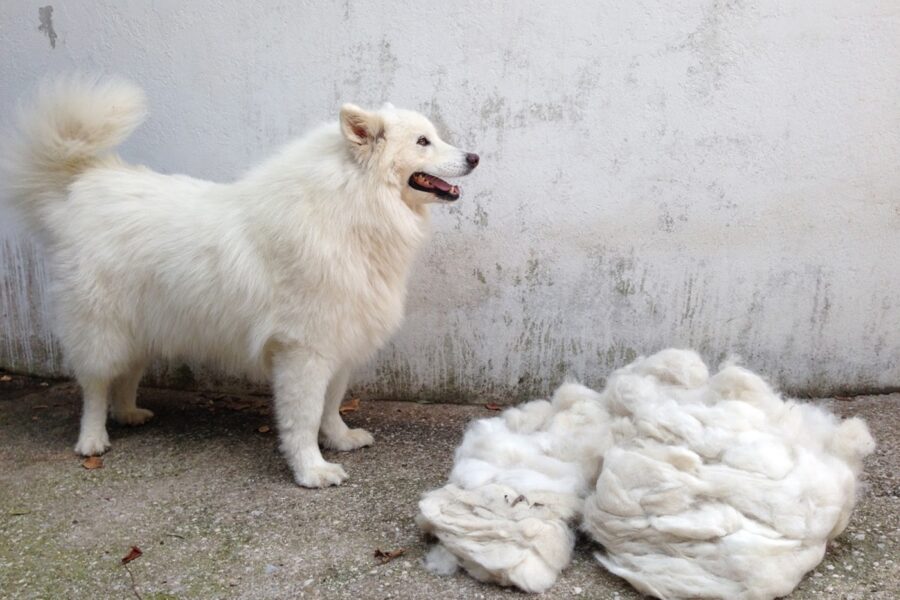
389	555
263	429
493	406
349	406
92	462
134	553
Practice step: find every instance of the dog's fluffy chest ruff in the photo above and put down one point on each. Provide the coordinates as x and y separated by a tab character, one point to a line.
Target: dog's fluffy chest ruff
338	251
345	281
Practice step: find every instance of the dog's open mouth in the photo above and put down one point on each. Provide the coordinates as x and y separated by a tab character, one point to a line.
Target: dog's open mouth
434	185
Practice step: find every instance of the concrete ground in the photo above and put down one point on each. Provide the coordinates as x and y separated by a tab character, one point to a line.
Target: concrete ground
208	499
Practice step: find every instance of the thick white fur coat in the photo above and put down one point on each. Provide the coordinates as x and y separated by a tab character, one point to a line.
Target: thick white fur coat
296	272
695	486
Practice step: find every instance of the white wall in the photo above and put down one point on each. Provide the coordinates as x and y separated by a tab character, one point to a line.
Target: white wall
723	174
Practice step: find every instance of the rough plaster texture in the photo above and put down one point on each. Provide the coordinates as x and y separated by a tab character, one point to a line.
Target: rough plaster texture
718	174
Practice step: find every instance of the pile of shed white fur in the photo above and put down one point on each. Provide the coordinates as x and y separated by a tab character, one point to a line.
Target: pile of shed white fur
695	486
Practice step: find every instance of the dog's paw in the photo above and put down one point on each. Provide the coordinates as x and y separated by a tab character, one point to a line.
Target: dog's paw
92	445
350	440
322	475
134	416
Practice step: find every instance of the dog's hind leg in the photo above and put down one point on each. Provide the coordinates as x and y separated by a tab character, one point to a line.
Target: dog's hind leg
301	379
93	439
334	433
124	407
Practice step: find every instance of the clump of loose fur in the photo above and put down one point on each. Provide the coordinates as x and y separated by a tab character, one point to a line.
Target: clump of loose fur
694	485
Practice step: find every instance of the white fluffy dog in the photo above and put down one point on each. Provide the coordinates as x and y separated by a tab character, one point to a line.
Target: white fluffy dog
296	272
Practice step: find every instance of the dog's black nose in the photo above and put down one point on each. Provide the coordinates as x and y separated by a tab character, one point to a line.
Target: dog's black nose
472	159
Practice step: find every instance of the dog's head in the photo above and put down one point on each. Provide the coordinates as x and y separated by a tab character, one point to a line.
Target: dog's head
405	146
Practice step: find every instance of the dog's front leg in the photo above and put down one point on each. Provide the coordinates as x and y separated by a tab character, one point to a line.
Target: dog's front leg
334	433
300	380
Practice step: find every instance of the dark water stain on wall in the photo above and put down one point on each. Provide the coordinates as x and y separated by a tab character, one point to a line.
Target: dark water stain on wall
712	45
45	14
26	344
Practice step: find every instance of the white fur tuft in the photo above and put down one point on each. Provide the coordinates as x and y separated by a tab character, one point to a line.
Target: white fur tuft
517	485
726	490
696	486
70	126
441	561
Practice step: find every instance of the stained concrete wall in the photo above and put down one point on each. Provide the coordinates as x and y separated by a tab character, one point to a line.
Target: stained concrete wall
717	174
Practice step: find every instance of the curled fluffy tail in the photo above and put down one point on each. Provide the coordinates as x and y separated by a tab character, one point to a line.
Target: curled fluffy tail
70	126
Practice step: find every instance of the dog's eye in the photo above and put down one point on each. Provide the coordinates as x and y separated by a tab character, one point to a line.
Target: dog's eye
423	141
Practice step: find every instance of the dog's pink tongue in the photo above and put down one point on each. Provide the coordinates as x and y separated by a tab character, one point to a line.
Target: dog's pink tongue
443	186
440	184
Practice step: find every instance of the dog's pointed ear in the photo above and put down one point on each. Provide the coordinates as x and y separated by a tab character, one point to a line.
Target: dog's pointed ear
359	126
387	106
